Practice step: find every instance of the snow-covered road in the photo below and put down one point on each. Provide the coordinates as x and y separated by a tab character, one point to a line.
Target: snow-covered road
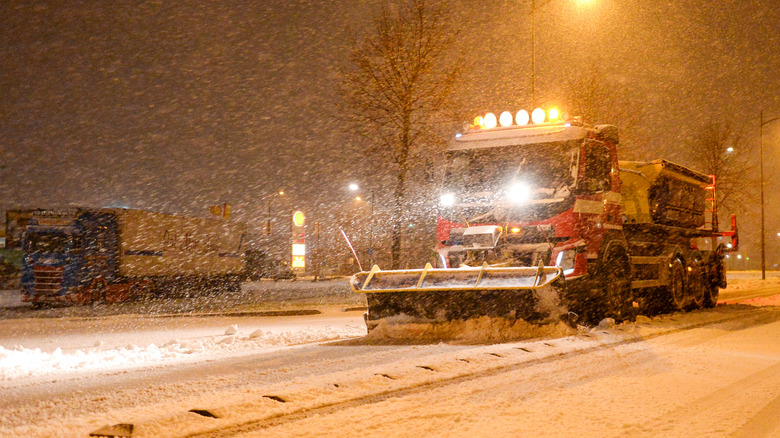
275	377
32	351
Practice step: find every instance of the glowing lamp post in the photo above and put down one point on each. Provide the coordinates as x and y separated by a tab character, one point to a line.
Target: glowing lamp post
354	187
268	224
534	6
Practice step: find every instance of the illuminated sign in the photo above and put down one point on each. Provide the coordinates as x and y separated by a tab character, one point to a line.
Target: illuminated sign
298	241
299	249
298	218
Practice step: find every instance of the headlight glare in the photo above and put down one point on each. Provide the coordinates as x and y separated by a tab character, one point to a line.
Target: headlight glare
447	199
518	193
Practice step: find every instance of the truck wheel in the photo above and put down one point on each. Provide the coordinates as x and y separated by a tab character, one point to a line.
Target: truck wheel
716	279
615	278
676	289
98	289
711	296
697	283
696	290
140	290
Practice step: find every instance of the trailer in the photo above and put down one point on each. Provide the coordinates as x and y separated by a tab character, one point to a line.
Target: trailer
84	255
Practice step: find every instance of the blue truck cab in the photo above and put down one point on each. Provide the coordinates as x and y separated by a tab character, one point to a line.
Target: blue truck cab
70	256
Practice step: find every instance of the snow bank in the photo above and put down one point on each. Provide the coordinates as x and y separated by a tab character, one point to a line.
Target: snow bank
483	330
19	362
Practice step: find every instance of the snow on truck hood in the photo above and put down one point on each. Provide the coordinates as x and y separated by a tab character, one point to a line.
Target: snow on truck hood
514	136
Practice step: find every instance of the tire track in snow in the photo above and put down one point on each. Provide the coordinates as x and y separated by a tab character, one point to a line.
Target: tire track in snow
752	388
765	423
740	296
279	418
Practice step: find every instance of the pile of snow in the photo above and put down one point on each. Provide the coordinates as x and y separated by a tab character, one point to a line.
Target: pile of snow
482	330
20	362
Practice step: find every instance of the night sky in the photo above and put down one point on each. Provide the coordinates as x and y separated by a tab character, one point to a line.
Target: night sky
175	106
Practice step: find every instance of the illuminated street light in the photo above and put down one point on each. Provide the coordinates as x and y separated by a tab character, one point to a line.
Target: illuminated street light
267	225
761	165
533	44
354	187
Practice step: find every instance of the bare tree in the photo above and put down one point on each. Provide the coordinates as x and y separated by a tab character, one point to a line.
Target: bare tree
397	84
596	98
718	149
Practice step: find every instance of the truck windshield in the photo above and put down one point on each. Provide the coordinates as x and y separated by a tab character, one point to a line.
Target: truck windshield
51	242
482	181
547	168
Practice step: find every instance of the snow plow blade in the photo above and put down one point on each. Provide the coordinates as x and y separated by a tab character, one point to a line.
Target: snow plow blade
456	294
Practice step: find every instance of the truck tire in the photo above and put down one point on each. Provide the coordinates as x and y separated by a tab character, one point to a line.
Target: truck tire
711	296
716	278
97	289
675	295
615	280
697	282
142	289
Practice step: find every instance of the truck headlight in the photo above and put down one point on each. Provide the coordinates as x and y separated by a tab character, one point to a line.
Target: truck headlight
518	193
447	199
565	261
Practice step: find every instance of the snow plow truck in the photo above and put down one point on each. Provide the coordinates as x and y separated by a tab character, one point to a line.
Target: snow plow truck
539	219
86	255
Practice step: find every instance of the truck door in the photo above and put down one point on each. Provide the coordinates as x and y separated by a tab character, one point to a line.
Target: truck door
597	206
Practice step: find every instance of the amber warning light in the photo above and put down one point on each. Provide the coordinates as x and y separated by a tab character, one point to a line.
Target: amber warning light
522	118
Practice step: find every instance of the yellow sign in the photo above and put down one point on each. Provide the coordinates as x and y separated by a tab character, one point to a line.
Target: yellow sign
298	218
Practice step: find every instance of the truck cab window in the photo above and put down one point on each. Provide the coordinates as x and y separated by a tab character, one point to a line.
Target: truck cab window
46	242
598	168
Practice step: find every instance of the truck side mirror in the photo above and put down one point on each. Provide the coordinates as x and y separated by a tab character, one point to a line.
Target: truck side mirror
598	168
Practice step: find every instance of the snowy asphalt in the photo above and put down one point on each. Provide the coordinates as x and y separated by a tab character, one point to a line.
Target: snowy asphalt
260	298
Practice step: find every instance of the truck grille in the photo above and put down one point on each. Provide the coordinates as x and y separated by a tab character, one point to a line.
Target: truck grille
48	279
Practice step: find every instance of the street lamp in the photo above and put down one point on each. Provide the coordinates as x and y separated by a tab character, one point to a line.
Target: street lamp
533	46
354	187
761	165
268	198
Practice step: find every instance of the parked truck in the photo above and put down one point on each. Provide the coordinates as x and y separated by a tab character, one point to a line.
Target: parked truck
84	255
540	215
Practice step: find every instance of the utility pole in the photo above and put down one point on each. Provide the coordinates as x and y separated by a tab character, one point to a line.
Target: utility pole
761	165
